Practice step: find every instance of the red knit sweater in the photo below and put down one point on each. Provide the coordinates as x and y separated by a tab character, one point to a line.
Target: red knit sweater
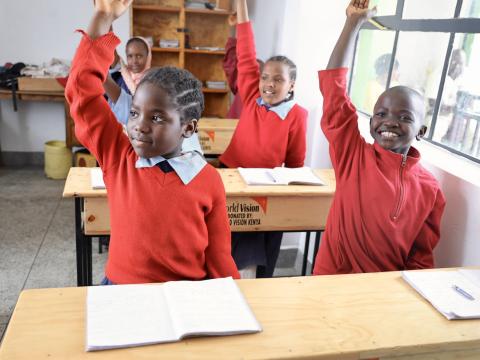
161	229
262	138
385	214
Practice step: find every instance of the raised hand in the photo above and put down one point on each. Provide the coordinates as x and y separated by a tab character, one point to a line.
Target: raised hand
358	10
113	8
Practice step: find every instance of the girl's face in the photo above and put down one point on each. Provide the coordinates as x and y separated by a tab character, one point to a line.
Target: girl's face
154	127
137	54
275	82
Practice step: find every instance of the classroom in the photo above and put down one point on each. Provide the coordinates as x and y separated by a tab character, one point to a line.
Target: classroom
247	88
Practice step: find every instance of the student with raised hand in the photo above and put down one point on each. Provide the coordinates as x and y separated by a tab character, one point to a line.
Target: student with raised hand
387	208
270	133
167	209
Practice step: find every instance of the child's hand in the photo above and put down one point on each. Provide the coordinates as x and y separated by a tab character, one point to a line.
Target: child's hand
113	8
358	11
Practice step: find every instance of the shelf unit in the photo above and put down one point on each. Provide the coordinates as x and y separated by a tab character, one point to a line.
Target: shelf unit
169	20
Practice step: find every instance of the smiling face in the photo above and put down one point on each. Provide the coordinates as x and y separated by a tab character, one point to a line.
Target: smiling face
275	82
154	126
397	119
137	54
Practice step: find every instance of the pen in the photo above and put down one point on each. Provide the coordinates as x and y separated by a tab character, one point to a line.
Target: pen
463	292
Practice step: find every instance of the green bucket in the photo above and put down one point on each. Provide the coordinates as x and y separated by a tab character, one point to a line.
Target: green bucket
58	159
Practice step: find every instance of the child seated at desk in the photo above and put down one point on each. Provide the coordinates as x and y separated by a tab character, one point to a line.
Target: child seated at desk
270	133
387	209
167	209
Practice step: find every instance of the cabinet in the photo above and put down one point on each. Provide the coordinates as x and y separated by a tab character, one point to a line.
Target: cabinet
201	35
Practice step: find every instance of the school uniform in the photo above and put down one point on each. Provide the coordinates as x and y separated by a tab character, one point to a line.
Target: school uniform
387	208
231	72
165	225
265	137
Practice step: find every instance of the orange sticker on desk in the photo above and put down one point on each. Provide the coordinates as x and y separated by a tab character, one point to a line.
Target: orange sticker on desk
211	134
262	201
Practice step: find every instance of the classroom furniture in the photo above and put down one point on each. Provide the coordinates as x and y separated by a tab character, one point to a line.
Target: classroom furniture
201	34
361	316
250	208
215	134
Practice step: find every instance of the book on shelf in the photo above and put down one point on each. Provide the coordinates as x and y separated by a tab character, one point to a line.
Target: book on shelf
96	178
142	314
280	176
455	293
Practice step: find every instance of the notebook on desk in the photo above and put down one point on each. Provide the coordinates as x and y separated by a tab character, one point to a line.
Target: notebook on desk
456	294
134	315
96	178
280	176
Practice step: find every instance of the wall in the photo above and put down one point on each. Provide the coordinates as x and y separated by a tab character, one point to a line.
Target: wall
46	30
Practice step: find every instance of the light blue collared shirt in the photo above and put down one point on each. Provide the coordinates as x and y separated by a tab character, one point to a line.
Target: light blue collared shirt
121	110
187	165
281	109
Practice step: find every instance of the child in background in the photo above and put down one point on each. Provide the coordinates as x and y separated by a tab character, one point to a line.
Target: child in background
270	133
167	209
387	209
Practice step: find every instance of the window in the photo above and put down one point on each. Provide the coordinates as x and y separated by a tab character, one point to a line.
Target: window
432	46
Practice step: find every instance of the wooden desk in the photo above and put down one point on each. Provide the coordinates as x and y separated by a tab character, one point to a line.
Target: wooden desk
215	134
55	96
343	317
250	208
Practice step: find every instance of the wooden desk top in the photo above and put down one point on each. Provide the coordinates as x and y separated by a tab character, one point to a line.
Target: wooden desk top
34	95
78	184
323	317
217	124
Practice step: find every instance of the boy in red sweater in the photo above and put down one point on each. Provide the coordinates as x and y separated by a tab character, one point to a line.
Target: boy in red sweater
270	133
387	209
167	209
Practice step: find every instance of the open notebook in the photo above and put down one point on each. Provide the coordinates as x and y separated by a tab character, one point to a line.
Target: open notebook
133	315
456	294
96	178
280	176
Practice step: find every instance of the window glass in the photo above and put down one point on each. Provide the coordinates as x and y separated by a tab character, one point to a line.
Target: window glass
384	7
372	63
470	9
429	9
421	68
458	121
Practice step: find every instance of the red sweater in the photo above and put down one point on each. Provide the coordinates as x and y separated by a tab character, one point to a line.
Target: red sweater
386	213
262	138
230	69
161	229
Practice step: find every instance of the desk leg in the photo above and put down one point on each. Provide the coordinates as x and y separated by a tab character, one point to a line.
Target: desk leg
305	254
88	260
79	241
318	234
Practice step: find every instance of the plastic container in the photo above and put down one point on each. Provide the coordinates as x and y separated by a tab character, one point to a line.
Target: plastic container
58	159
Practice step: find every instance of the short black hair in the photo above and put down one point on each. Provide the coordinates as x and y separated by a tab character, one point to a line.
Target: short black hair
139	41
292	68
184	89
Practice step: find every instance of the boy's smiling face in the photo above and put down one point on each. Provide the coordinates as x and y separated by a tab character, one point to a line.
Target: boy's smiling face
397	119
154	126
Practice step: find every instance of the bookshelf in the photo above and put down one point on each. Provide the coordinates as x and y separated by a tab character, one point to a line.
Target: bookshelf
201	34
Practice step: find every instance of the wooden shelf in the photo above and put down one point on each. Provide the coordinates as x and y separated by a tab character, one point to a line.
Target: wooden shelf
169	50
207	12
205	52
215	91
156	8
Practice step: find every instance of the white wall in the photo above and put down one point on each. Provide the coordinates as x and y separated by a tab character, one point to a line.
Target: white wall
46	30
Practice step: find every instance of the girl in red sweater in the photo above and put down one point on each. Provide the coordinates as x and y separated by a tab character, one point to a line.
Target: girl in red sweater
167	208
387	209
270	133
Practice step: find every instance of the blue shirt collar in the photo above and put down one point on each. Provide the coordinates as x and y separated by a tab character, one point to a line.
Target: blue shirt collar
281	109
187	165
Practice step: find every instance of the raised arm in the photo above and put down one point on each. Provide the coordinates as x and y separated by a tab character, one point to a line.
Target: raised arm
106	12
357	13
111	89
242	11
